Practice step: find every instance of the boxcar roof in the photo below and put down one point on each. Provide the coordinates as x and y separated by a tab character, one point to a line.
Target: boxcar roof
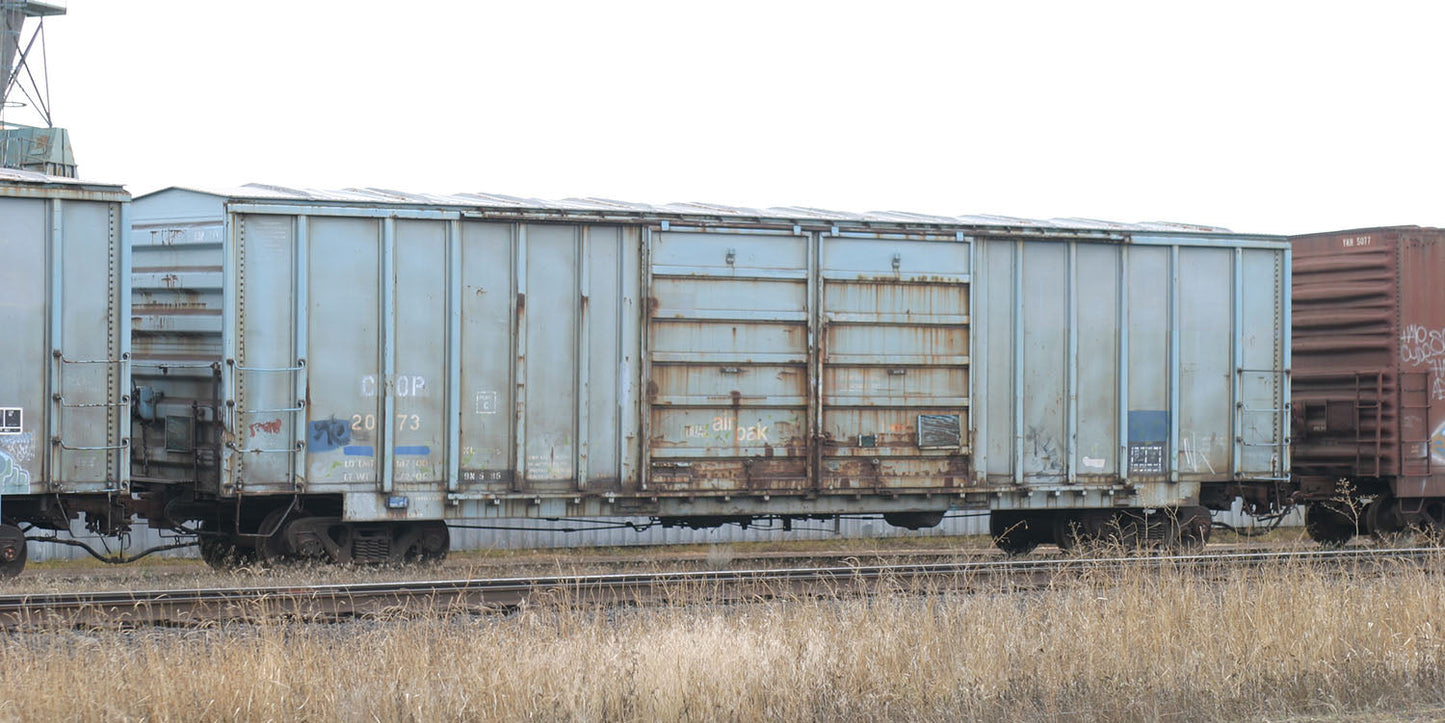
14	181
499	202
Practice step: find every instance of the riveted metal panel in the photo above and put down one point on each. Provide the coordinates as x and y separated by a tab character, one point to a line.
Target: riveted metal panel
260	393
1262	420
89	373
64	384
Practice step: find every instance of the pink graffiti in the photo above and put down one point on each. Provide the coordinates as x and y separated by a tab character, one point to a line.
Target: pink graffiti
271	427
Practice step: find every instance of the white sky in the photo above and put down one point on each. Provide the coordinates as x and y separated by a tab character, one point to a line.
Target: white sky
1273	117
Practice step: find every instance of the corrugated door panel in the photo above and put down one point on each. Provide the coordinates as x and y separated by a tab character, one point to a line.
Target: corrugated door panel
1206	329
894	363
1148	422
23	319
418	387
261	447
176	292
728	338
1345	347
488	290
1261	383
1045	345
90	382
1098	361
345	384
548	318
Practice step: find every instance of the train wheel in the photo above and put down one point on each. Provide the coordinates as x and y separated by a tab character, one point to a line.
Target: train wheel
436	541
222	553
274	549
1013	533
1069	532
1331	523
222	550
1195	524
1384	522
12	551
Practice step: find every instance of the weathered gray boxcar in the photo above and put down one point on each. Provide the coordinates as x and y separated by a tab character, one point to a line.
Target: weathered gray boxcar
335	373
1369	386
64	381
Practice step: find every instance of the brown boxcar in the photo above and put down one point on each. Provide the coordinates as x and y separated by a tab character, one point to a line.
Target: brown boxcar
1369	379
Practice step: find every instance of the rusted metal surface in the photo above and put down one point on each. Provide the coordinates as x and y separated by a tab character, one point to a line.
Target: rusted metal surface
471	356
1369	357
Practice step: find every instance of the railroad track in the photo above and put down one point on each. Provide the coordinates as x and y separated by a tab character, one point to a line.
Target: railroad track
339	601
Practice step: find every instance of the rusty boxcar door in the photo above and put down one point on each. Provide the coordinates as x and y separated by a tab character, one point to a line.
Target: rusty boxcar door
894	361
728	359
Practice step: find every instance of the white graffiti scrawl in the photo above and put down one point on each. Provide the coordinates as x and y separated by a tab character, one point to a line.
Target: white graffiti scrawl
1420	346
13	478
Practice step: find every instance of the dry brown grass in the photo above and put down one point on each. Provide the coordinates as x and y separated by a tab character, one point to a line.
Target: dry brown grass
1299	644
160	573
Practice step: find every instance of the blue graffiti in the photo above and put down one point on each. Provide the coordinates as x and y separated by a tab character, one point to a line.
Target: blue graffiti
326	435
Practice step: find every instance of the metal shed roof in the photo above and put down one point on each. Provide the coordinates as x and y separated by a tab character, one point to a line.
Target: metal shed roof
264	192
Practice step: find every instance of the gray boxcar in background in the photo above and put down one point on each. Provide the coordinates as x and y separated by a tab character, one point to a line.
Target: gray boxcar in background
64	381
334	374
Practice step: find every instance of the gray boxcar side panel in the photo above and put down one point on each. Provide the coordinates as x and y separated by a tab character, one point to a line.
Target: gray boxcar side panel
1206	366
488	322
996	387
343	355
1097	363
260	451
418	419
90	366
1263	385
24	317
1148	412
548	306
1045	347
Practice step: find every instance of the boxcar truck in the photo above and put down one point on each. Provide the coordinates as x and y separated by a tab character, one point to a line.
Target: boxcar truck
1369	382
338	374
64	378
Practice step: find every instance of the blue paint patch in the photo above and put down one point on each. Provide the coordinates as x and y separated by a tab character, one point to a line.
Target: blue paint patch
327	435
359	450
1148	426
419	450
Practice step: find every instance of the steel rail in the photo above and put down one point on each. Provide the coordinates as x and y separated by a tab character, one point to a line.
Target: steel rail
335	601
